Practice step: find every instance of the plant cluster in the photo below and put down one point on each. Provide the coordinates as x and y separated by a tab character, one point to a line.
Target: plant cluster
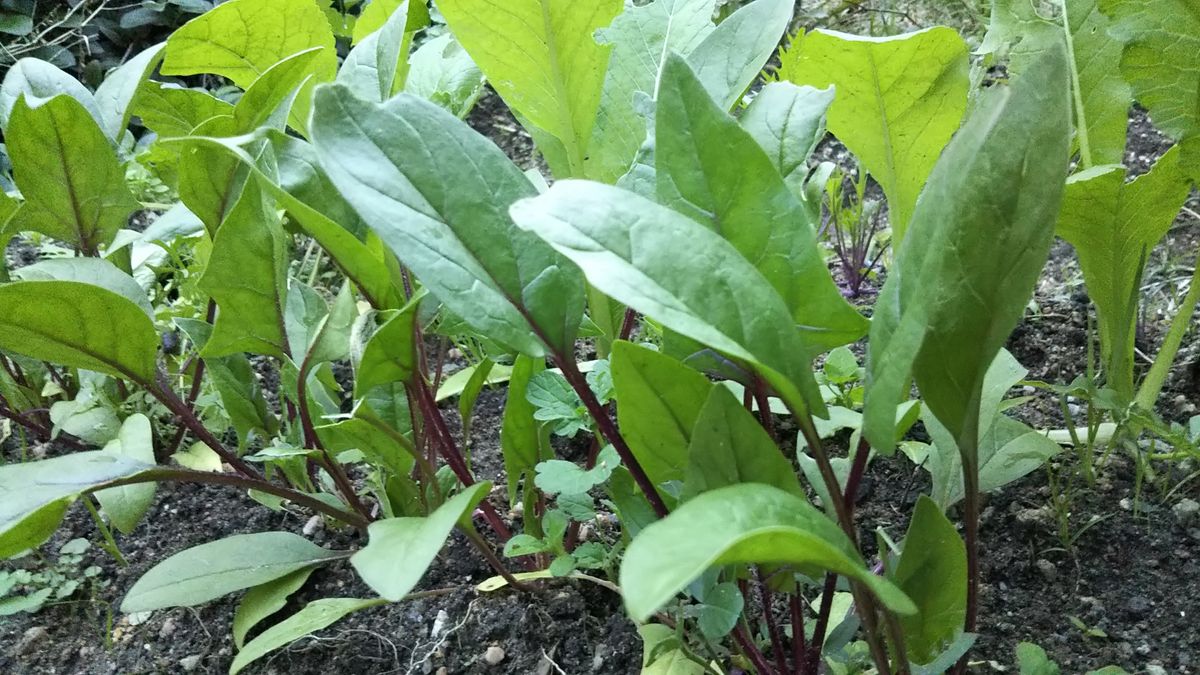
677	237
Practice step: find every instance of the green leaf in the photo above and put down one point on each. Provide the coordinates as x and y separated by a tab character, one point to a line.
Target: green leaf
1032	660
39	81
399	550
1009	450
67	170
899	100
170	110
662	655
94	271
658	402
521	436
78	325
236	384
315	616
34	496
746	523
441	71
1161	61
979	238
377	67
330	338
729	446
437	194
788	122
541	57
721	610
640	37
389	355
274	92
933	573
1101	96
127	505
379	447
379	12
630	249
731	57
1114	225
247	276
262	601
555	401
114	96
208	571
557	476
714	171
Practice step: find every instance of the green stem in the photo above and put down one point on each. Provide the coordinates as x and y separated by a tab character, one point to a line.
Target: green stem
110	543
1157	377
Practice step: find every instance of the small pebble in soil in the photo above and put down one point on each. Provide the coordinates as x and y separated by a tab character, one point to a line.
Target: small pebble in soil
190	663
494	655
439	623
168	628
1186	512
310	528
1155	669
31	638
1048	570
1138	606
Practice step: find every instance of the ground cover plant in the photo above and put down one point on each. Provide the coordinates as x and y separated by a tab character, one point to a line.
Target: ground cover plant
693	404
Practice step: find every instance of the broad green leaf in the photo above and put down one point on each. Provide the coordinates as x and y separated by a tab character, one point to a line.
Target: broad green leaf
1101	97
441	71
729	447
399	550
1008	450
127	504
236	384
39	81
788	122
659	659
543	60
78	325
208	571
94	271
731	57
560	477
315	616
748	523
170	110
640	37
377	67
247	276
933	573
1161	62
114	96
1032	660
390	354
67	170
91	416
274	92
329	340
198	457
415	14
262	601
714	171
979	238
241	39
437	194
379	447
34	496
630	249
1114	225
522	438
210	184
899	100
721	610
658	402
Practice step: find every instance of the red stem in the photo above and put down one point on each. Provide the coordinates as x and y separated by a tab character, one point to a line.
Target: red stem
751	650
765	599
799	662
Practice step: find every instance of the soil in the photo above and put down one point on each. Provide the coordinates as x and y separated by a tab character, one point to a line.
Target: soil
1123	592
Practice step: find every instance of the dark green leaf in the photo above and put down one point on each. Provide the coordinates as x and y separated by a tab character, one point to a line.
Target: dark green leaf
262	601
933	573
315	616
521	436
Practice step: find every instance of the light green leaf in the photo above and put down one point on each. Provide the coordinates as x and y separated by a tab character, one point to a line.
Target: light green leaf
94	271
630	249
933	573
67	170
390	355
90	416
170	110
115	95
331	338
522	438
731	57
78	325
34	496
262	601
555	401
39	81
899	100
640	37
247	276
714	171
1101	97
272	95
721	610
378	12
1032	660
198	457
437	194
557	476
729	447
379	447
1114	226
399	550
315	616
127	504
748	523
443	72
658	659
658	402
980	236
543	60
208	571
378	66
788	122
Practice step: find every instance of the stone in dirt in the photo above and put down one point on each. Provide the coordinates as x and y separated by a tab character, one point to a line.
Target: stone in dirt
494	655
1186	512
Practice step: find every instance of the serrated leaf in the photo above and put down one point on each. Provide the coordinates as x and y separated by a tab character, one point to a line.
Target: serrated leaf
899	100
541	57
399	550
68	173
315	616
78	325
746	523
555	401
437	194
208	571
127	505
557	476
262	601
